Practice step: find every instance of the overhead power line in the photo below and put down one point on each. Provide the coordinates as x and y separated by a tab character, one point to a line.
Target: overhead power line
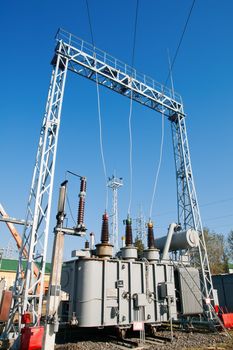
135	32
180	42
90	25
99	114
130	112
159	166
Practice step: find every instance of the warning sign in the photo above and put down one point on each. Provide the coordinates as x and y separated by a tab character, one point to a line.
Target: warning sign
138	326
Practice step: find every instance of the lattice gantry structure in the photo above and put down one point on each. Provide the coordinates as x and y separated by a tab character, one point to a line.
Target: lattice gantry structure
75	55
29	287
115	183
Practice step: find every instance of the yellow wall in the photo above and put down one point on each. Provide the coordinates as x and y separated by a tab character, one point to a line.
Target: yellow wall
10	278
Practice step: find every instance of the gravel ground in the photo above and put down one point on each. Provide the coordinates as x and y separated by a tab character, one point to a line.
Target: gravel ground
182	341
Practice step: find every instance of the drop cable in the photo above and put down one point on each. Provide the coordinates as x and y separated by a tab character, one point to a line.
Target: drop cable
159	166
130	114
70	210
99	112
171	65
130	154
101	141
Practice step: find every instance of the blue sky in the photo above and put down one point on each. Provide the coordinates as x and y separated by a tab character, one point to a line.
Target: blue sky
202	75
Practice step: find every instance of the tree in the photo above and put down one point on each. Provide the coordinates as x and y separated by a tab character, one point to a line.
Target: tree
230	245
139	245
217	253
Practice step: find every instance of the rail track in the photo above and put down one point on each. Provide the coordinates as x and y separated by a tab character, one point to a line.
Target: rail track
128	343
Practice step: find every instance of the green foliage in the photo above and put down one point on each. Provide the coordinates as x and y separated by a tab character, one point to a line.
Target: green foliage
139	245
230	245
217	252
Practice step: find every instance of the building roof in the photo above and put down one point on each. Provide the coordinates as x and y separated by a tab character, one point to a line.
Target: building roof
11	265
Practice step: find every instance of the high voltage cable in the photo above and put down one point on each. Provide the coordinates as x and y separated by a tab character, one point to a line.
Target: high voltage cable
70	210
130	113
180	41
201	205
130	154
89	19
159	166
101	141
99	113
168	76
135	32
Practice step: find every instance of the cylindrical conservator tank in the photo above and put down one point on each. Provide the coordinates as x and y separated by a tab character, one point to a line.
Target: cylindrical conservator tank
180	240
118	292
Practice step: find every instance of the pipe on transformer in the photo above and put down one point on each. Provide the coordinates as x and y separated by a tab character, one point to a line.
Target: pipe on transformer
177	240
167	241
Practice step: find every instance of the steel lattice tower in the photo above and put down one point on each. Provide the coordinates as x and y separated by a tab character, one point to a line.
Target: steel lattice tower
28	292
115	183
82	58
141	231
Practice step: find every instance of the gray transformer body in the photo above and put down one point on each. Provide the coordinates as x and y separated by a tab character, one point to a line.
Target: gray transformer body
112	292
189	287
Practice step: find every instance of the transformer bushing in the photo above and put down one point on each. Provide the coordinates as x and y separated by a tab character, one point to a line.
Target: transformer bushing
151	253
81	207
129	251
104	249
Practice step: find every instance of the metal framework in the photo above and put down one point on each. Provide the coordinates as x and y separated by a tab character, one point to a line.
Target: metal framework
77	56
187	204
141	231
114	183
29	289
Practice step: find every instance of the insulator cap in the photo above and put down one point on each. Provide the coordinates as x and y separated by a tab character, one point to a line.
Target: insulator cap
104	231
105	216
150	235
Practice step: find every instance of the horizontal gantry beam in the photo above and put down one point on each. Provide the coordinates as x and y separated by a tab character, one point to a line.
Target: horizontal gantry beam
94	64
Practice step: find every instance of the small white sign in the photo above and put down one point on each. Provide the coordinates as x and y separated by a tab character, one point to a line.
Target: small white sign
138	326
207	301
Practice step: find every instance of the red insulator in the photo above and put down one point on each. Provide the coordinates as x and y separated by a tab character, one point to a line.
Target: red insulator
82	195
104	231
128	232
150	236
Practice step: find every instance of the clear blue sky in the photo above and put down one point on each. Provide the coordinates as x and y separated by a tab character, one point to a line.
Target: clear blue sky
202	74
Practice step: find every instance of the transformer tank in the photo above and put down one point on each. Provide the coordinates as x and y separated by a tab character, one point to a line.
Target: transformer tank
119	292
105	291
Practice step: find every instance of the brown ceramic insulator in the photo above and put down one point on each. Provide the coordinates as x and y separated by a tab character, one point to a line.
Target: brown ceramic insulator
82	195
83	184
104	231
87	246
150	236
128	233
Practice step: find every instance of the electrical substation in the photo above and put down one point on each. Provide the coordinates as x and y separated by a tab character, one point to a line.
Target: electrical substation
108	286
